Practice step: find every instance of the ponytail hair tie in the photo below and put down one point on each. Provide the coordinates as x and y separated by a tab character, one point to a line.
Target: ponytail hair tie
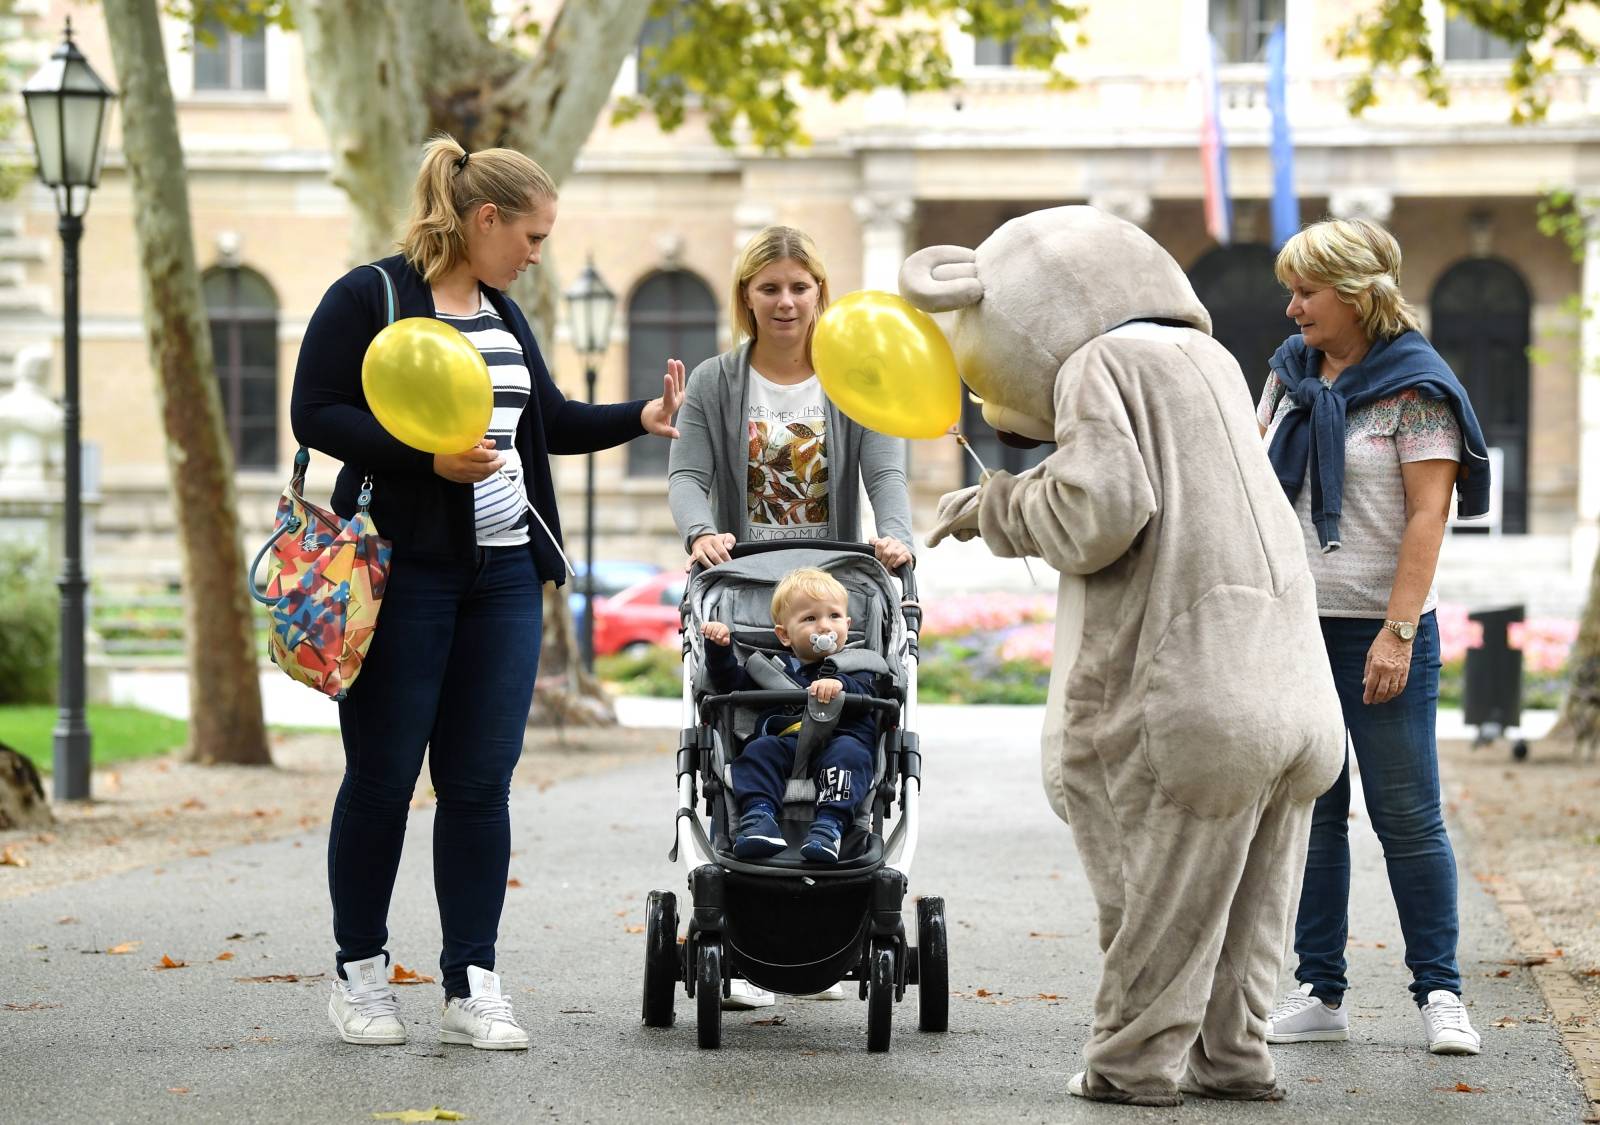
461	164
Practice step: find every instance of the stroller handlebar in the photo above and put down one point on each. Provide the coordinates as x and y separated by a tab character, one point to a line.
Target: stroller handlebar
906	572
853	702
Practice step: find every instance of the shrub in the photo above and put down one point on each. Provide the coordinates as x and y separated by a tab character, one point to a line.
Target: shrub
657	671
29	628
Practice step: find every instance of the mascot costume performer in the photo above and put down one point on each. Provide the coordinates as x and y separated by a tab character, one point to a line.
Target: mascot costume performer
1192	718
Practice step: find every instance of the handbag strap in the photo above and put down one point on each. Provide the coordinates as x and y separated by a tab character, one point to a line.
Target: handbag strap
388	291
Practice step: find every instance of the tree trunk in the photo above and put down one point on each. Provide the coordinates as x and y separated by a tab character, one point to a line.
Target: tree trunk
225	721
1580	711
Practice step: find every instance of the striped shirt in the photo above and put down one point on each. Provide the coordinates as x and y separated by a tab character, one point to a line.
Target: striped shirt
501	513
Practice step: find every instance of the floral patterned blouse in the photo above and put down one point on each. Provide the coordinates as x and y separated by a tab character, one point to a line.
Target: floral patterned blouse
1355	580
787	471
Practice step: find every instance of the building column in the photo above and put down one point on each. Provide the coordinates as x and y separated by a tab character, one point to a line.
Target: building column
884	218
1586	533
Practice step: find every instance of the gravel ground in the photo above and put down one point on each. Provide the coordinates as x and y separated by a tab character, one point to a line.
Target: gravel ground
160	810
1537	824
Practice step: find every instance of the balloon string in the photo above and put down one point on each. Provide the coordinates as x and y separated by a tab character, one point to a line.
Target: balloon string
961	440
522	495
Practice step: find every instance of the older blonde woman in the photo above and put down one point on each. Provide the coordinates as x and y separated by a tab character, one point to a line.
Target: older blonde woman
1369	430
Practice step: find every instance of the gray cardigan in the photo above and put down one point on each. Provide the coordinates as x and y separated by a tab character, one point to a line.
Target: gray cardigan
706	480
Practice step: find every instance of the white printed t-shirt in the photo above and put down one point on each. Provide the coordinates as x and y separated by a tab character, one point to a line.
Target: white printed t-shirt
1355	581
787	471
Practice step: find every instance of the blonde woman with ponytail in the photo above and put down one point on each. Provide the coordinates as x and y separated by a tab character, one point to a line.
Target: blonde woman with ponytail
451	668
1369	431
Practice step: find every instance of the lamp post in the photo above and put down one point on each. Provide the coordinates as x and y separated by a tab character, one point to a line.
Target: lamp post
66	105
590	303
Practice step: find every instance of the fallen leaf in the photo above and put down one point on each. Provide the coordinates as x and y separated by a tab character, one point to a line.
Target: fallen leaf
1047	996
193	803
225	955
1527	962
177	1089
197	852
434	1114
636	928
1589	972
36	1006
1311	1080
770	1021
66	920
280	978
402	975
983	992
10	857
125	947
1380	945
1503	973
168	963
1039	934
221	1047
513	882
577	1011
621	913
1459	1088
1504	1021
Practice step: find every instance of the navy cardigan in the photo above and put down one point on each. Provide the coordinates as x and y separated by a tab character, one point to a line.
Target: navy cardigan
424	514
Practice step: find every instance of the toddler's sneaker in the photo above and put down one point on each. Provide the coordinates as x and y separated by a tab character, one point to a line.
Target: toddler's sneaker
363	1006
1303	1018
758	835
822	842
832	992
743	996
1444	1017
484	1019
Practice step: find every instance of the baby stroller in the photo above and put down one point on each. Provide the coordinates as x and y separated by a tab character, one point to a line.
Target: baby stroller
785	924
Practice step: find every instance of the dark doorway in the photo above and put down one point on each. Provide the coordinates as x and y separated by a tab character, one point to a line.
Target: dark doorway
1480	310
1238	288
672	316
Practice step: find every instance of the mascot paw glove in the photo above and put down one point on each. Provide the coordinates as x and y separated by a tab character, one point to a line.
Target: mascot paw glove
957	515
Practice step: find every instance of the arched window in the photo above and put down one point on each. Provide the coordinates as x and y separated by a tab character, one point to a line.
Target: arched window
1480	310
672	315
1238	288
243	311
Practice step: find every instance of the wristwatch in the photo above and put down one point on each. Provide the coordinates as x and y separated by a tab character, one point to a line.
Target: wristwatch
1405	630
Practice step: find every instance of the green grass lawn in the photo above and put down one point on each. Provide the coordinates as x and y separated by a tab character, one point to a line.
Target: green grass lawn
118	734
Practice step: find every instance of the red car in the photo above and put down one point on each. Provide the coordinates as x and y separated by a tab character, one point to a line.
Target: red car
646	613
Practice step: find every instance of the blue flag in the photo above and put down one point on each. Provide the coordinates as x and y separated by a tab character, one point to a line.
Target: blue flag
1285	204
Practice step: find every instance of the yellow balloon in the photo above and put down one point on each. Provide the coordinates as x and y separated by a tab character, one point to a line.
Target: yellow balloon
886	364
428	385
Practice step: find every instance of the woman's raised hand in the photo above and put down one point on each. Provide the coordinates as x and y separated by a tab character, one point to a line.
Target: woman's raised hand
478	463
891	552
657	413
712	548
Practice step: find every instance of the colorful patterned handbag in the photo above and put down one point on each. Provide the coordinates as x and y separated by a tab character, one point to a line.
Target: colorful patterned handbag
325	579
325	582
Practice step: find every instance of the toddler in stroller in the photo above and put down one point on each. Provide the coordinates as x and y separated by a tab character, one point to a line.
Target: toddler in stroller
810	617
777	900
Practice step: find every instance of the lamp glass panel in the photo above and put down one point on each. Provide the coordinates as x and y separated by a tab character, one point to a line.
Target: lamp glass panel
44	119
81	127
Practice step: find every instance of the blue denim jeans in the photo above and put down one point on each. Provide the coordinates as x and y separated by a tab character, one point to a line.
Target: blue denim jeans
450	671
1399	761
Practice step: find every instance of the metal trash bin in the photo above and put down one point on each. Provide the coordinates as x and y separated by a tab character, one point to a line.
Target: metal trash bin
1492	687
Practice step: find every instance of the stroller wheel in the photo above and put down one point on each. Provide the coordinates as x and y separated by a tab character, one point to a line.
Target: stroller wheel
661	963
933	966
708	994
880	994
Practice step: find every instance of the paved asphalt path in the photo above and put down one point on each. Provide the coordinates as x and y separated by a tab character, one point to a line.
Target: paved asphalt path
112	1040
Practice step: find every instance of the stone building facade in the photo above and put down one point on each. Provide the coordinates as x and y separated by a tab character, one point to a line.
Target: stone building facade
886	174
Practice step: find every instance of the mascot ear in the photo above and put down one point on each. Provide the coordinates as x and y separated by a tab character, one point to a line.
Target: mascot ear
941	278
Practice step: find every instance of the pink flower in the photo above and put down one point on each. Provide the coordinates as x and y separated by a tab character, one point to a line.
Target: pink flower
1033	643
968	613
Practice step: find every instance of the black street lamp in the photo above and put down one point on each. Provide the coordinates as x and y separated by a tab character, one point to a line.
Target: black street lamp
66	105
590	304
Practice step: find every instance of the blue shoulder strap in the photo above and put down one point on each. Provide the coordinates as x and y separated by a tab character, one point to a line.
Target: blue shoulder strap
388	290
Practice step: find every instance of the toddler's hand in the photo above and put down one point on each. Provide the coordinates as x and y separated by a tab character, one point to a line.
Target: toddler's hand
825	690
716	632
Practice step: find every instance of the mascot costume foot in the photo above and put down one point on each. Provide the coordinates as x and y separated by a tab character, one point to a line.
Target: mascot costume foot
1192	718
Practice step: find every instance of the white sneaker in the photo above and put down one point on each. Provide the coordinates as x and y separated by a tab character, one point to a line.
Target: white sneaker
742	996
484	1019
363	1006
1302	1018
835	992
1444	1018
